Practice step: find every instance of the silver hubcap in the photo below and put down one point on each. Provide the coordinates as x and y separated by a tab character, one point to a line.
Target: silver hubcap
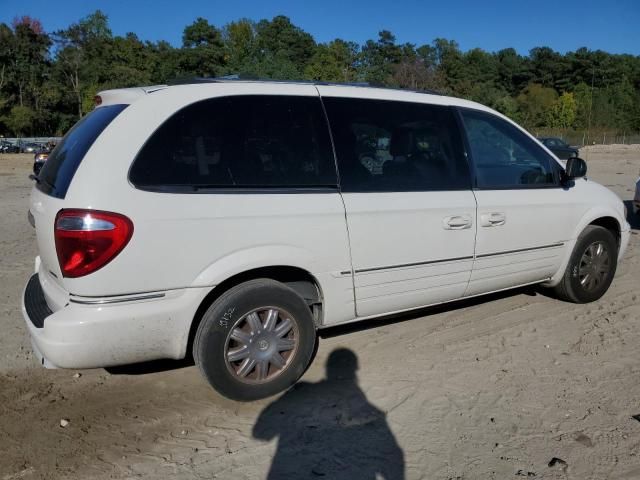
594	266
261	345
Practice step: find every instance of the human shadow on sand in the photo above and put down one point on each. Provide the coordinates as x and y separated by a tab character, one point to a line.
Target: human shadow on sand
329	429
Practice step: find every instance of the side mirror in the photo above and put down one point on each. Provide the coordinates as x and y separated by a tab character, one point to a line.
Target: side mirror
576	168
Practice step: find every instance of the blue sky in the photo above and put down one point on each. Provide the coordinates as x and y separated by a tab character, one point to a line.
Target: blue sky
612	25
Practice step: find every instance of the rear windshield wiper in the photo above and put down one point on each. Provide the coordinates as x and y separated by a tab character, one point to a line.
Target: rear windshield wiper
38	180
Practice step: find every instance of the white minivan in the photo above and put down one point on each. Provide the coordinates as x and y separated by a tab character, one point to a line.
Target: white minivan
234	219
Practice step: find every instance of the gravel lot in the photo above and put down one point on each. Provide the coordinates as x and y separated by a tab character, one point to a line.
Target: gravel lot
509	386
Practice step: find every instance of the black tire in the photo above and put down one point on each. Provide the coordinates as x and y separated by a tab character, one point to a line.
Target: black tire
571	287
231	313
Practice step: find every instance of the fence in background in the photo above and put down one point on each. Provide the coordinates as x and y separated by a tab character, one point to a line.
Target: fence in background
38	140
594	137
572	137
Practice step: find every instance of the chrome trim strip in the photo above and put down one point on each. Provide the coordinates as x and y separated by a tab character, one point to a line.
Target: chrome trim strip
84	223
471	257
506	252
417	264
107	301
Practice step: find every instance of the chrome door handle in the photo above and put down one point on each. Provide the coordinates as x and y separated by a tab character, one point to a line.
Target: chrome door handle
457	222
494	219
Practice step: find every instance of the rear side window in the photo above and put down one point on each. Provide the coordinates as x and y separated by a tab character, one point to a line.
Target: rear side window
56	174
252	141
396	146
504	157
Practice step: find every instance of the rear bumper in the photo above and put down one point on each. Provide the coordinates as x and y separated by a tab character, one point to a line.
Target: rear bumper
107	334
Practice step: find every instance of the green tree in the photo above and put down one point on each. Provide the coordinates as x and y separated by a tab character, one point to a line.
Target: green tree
240	45
562	113
81	50
508	106
479	77
57	86
534	103
582	96
450	62
333	62
282	49
28	57
513	71
202	50
549	68
378	59
20	120
131	62
623	102
24	68
165	61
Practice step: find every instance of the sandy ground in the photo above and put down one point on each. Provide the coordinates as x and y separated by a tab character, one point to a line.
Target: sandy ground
510	386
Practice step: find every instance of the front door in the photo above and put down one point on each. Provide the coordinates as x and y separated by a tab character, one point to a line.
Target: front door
410	210
525	217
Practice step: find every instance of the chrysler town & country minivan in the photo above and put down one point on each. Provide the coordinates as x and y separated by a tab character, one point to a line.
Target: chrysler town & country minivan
232	220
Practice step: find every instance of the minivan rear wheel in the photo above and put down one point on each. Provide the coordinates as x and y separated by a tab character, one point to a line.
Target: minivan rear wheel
591	267
255	340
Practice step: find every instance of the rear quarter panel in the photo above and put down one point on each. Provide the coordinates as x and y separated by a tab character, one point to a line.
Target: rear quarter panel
200	239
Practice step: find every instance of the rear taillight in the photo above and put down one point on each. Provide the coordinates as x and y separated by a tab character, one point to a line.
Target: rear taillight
87	240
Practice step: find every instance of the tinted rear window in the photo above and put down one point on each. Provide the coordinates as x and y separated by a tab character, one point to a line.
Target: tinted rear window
56	174
388	146
256	141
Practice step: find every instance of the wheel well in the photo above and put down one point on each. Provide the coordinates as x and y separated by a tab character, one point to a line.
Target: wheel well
298	279
610	224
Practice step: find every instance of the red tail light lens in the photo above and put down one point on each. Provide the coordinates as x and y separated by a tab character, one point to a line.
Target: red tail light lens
87	240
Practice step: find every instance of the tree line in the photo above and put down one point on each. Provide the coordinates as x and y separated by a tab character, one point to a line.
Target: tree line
48	80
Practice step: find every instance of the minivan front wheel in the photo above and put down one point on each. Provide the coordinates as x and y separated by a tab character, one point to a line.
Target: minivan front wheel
256	340
591	267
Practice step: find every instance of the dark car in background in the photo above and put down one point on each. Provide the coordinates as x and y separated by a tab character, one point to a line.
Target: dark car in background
39	159
636	198
559	147
30	147
8	147
41	156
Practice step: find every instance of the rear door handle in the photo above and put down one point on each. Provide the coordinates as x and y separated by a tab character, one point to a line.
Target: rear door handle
457	222
493	219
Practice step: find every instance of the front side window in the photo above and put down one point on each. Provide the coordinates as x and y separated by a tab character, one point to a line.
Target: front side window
393	146
252	141
504	156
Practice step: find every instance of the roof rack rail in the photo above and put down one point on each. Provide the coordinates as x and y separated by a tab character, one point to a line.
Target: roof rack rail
248	78
427	91
191	80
